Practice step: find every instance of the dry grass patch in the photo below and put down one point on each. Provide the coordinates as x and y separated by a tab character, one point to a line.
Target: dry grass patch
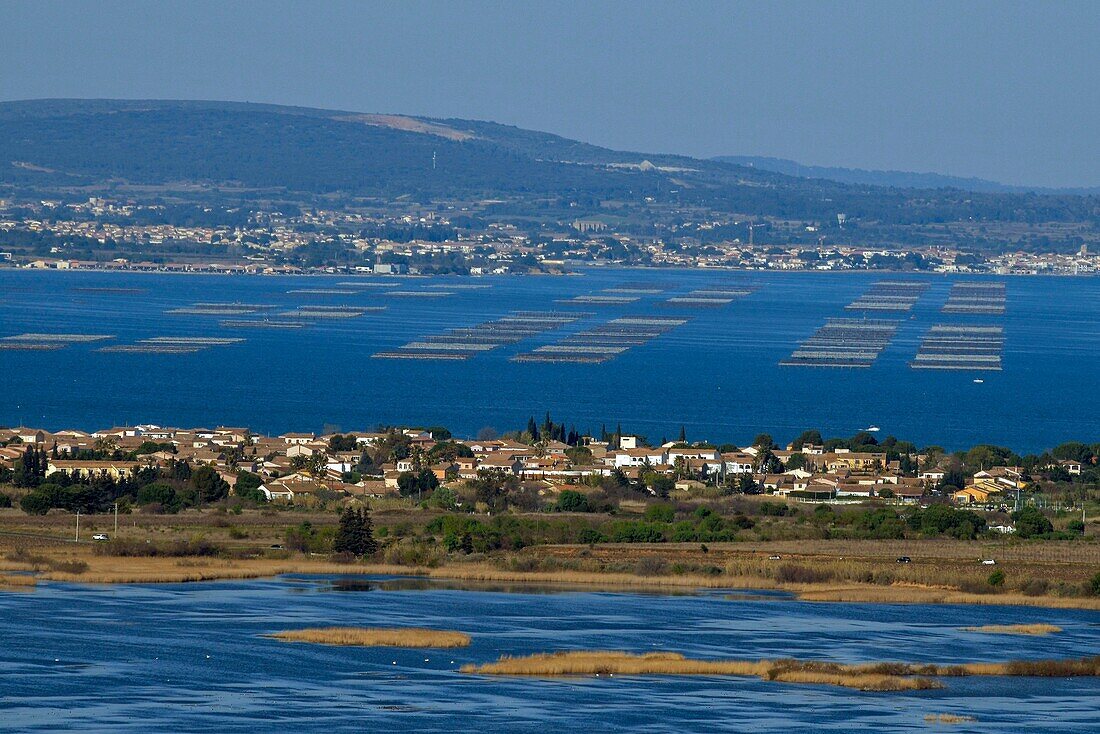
376	637
1015	629
668	663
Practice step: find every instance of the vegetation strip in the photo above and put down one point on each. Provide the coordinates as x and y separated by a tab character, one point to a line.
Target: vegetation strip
376	637
864	676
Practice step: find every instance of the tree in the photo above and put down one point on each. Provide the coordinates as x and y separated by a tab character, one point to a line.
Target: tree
683	435
807	437
747	485
355	535
35	503
763	441
1031	522
31	468
209	484
342	443
248	486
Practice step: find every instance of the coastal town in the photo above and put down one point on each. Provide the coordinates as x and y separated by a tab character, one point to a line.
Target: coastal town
543	462
459	237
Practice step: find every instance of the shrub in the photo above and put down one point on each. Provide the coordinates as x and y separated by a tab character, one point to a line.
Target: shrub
1036	587
74	566
1094	585
632	531
572	501
650	566
5	501
591	536
660	513
997	578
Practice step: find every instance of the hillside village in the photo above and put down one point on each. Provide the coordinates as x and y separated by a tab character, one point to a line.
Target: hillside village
306	469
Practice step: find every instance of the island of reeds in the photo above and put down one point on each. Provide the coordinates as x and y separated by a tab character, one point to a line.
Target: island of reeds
376	637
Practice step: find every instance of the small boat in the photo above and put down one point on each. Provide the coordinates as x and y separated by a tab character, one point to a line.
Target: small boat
978	381
872	429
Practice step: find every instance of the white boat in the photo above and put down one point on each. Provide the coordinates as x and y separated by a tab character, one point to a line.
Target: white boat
978	380
872	429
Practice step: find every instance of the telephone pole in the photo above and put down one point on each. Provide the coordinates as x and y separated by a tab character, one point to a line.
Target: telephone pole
78	526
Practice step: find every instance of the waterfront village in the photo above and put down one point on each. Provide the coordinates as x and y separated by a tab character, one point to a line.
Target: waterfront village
309	470
459	238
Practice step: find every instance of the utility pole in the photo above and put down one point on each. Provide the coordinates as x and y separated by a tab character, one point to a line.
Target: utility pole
78	526
116	518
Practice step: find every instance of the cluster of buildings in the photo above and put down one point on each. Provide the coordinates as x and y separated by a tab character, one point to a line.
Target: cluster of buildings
267	243
304	467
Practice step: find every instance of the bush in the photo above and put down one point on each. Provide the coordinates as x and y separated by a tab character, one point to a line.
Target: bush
632	531
5	501
997	578
660	513
591	536
1036	587
650	566
572	501
1094	585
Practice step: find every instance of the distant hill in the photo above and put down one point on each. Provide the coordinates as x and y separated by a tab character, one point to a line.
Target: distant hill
238	151
899	179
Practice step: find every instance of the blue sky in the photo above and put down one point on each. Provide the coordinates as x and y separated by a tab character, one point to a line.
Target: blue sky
1002	90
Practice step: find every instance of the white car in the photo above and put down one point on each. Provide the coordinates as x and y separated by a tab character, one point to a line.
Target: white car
989	562
101	536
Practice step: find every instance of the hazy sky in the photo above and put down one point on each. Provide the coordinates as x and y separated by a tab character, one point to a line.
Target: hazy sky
1002	90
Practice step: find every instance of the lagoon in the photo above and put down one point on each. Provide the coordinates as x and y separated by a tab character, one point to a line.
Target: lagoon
191	657
718	374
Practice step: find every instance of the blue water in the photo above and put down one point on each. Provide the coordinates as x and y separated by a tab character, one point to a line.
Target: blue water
718	375
192	658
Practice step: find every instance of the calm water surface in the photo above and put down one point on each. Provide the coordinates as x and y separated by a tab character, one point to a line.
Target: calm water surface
192	658
718	375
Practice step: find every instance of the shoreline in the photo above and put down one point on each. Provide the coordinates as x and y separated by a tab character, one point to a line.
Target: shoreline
175	570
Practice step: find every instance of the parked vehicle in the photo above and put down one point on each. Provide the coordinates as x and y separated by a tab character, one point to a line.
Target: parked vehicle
101	536
774	558
905	559
989	562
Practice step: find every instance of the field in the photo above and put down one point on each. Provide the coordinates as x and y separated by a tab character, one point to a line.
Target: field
219	545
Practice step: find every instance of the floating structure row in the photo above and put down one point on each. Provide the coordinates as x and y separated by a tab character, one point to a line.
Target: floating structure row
42	342
603	342
961	347
976	297
844	343
465	342
706	297
171	345
895	296
330	312
222	309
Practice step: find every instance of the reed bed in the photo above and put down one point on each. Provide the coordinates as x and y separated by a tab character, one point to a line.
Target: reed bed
16	581
1015	629
550	665
376	637
864	676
